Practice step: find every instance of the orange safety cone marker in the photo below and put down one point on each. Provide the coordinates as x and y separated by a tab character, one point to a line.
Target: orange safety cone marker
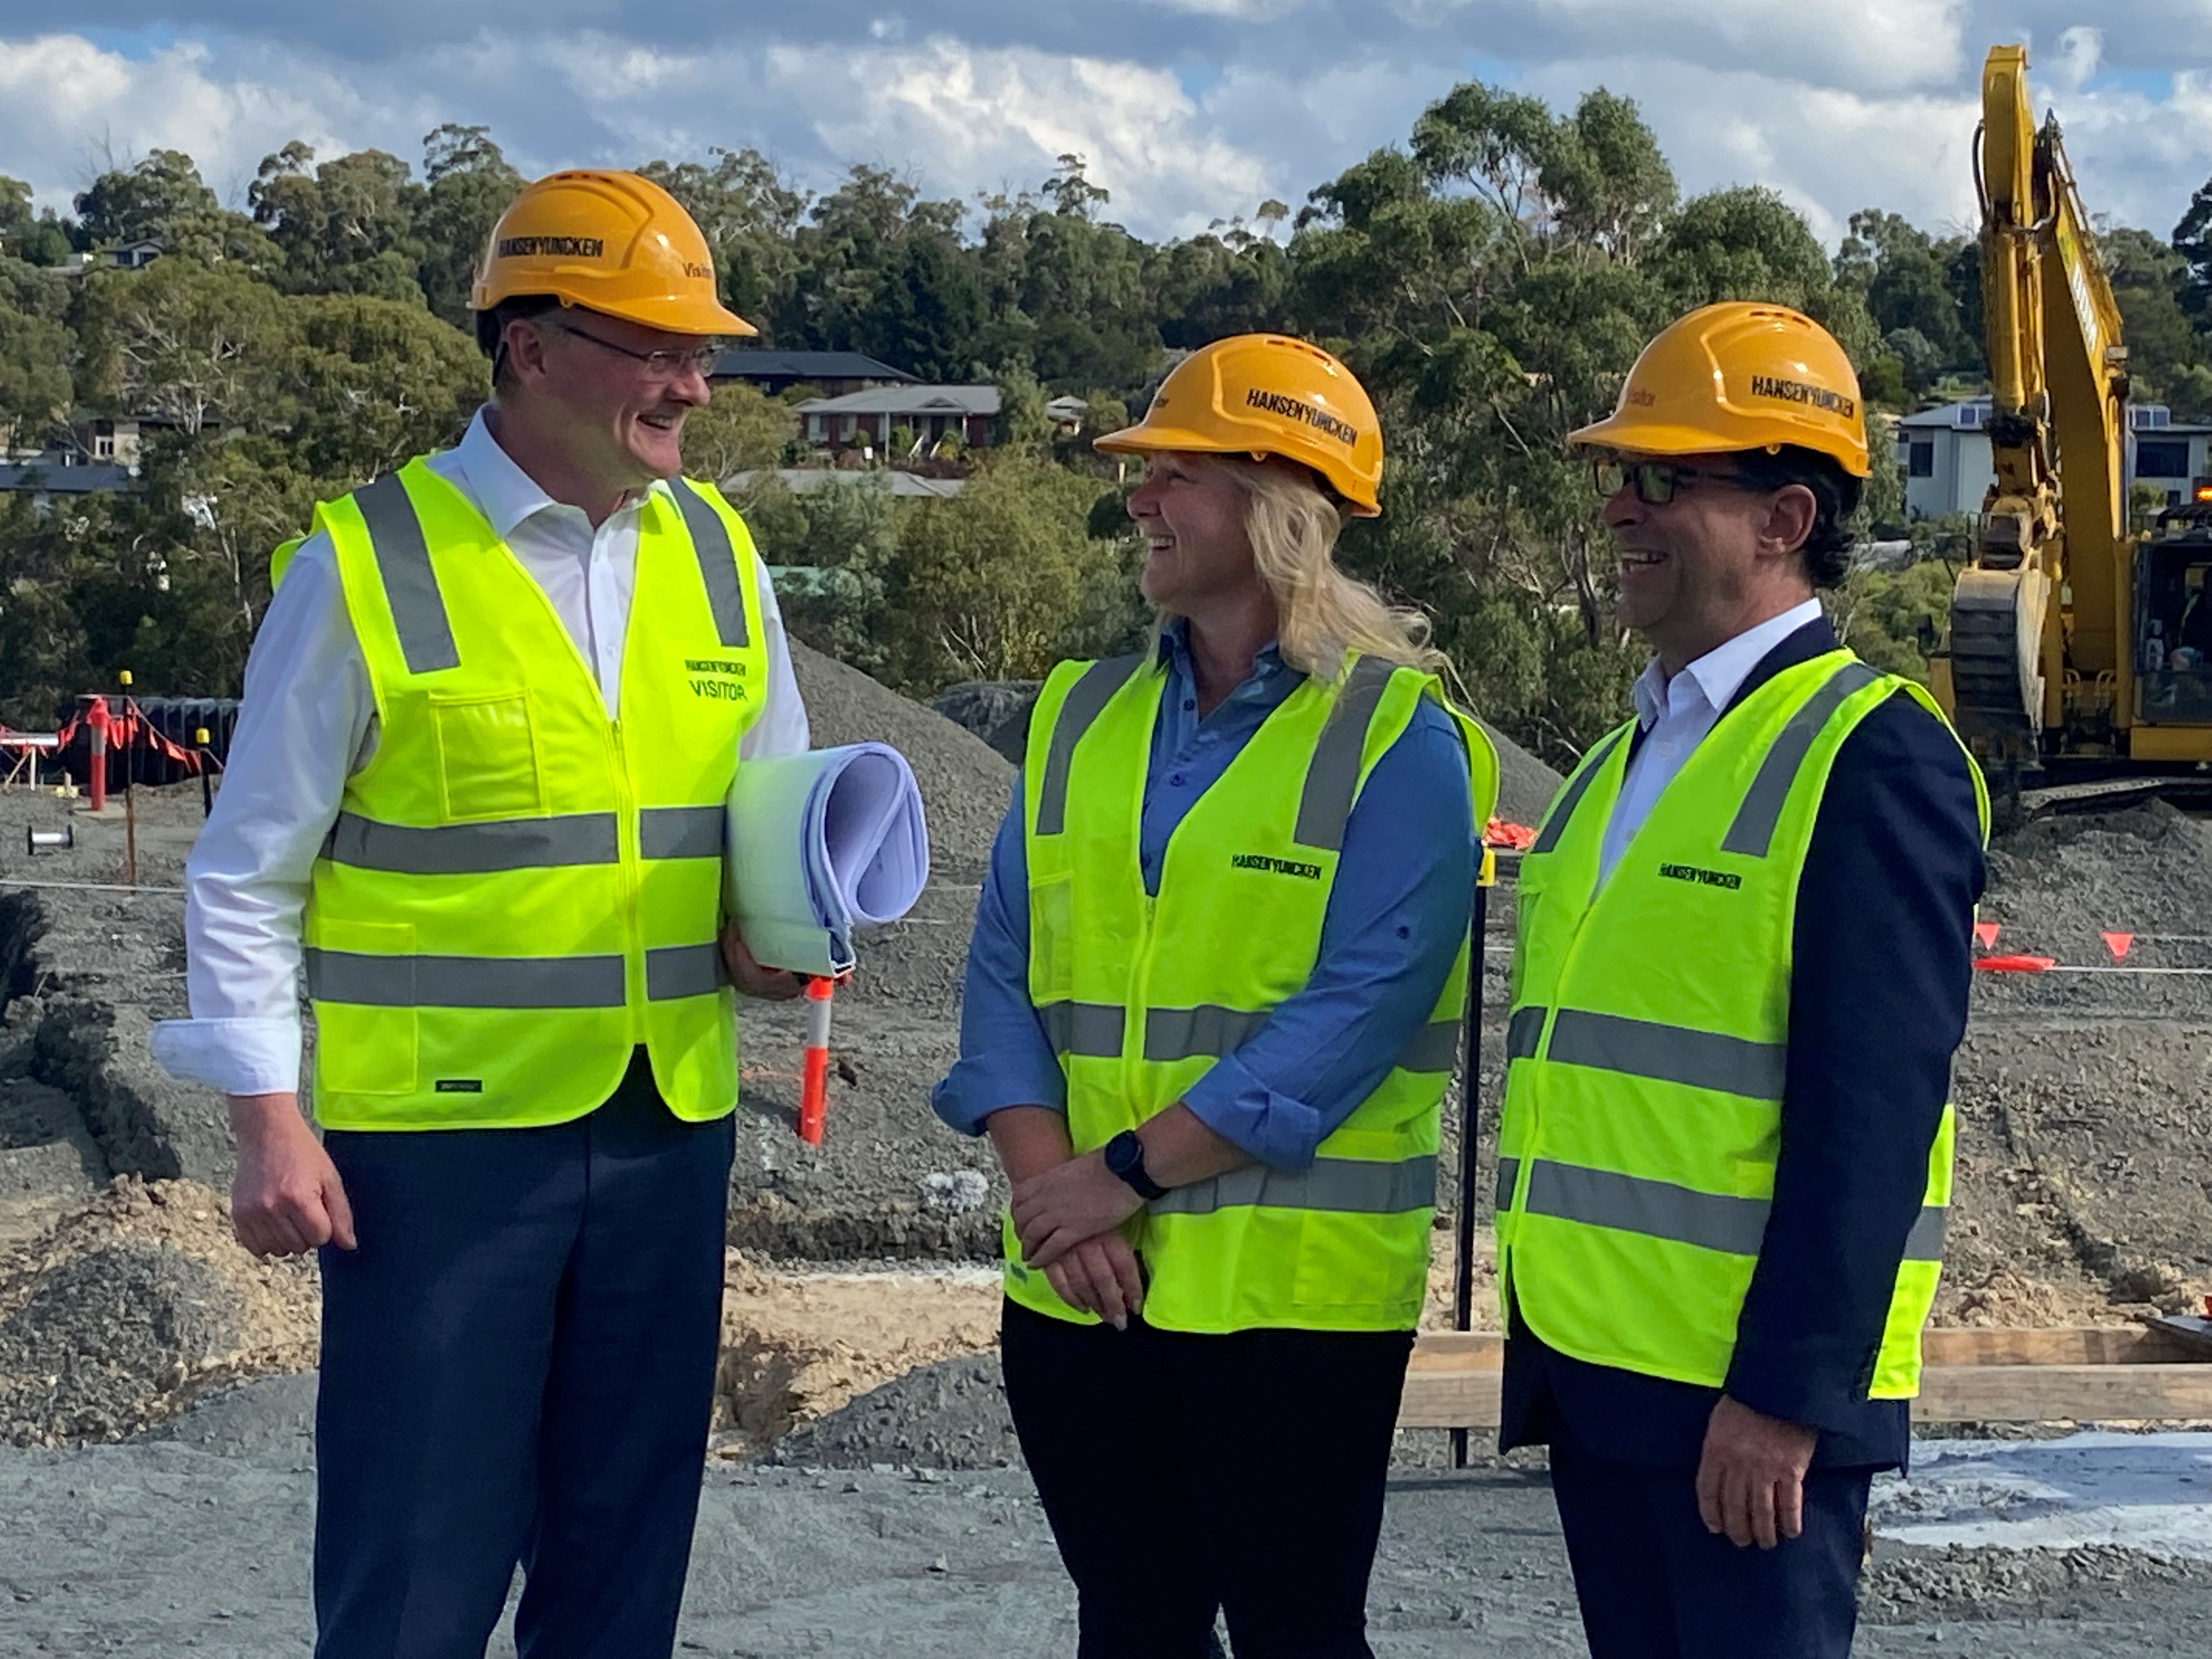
2118	943
1986	933
814	1073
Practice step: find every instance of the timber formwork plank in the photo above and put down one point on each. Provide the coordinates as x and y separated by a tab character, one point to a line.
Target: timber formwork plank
2105	1374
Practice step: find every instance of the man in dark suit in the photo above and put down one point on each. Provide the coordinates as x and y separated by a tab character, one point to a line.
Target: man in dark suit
1743	967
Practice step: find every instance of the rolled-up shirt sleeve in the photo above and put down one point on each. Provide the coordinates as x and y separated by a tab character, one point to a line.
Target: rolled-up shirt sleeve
1396	917
1005	1059
304	720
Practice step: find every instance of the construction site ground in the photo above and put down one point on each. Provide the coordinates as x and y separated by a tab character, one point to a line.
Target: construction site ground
863	1492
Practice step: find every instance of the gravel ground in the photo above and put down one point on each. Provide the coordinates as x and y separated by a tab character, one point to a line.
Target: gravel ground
199	1539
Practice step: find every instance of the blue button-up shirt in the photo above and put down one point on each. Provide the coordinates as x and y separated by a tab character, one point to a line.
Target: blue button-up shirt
1394	923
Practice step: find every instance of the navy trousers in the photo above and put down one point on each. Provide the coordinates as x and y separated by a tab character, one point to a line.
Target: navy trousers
1655	1585
518	1367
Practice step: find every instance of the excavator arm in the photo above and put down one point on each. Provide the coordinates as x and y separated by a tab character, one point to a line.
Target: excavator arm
2036	620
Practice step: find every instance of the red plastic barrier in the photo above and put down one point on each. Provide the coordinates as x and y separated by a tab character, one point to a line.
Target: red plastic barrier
2015	964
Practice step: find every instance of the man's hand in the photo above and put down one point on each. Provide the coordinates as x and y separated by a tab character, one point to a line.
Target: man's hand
774	984
1058	1209
1751	1479
1101	1276
286	1198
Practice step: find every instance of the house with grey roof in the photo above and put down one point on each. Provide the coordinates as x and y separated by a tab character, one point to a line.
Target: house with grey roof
930	412
833	374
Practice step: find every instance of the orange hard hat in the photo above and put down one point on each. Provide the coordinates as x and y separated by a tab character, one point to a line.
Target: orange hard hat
611	242
1266	394
1735	376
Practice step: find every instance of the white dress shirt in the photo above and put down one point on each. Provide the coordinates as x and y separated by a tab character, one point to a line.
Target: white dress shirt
1676	714
308	722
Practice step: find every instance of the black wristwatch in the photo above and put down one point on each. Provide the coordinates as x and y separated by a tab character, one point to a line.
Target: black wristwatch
1125	1156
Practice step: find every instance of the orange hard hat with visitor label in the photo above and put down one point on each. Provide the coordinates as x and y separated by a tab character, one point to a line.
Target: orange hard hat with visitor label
612	242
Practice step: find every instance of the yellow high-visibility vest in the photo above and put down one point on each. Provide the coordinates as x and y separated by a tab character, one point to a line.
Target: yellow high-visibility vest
1648	1039
1141	996
519	890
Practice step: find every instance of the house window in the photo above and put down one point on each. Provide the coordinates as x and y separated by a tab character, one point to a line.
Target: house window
1921	462
103	444
2163	458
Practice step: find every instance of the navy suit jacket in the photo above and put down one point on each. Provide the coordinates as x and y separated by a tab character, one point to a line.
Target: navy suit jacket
1883	959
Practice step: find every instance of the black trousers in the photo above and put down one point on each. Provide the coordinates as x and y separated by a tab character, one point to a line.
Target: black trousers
518	1366
1655	1585
1183	1475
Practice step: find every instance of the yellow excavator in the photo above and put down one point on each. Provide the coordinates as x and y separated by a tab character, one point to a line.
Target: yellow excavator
2070	649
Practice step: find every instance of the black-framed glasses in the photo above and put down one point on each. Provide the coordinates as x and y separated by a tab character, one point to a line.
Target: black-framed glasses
666	364
1657	483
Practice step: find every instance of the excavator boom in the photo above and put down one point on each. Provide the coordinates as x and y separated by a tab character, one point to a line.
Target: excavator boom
2038	658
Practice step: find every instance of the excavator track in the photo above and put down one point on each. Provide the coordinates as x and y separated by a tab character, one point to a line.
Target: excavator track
1996	683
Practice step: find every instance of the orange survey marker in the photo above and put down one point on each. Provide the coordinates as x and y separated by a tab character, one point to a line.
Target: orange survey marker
814	1077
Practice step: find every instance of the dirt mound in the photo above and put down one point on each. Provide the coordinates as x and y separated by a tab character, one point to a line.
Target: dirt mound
797	1345
964	787
134	1305
2085	1113
951	1415
1525	784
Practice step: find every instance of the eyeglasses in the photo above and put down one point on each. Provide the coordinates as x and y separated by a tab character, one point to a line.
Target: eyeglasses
1658	482
663	365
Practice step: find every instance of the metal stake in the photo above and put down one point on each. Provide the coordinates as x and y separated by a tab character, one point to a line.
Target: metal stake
1470	1122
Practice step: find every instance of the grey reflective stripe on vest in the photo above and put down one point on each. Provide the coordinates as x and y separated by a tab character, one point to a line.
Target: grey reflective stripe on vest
1180	1033
1086	700
1092	1030
1660	1209
1333	774
410	585
1209	1031
718	563
470	849
1556	824
379	982
1523	1032
1433	1048
1753	832
1509	1172
1925	1242
1346	1186
1668	1053
680	832
683	970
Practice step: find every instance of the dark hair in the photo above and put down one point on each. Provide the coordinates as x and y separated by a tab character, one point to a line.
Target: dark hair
1828	550
491	327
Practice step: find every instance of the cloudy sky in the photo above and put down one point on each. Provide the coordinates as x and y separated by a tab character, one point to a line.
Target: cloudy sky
1188	110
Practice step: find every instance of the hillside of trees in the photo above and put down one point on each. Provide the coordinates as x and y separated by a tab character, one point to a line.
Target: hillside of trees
1490	278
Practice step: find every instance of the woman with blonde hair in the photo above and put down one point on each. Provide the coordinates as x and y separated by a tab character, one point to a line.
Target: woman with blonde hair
1213	1001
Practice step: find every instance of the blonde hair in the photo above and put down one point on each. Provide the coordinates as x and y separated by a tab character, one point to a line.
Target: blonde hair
1323	615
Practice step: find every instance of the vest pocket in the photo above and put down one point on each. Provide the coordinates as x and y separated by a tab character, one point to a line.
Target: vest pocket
1052	953
361	1049
487	757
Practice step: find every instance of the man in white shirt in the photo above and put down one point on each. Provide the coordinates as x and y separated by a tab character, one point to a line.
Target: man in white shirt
507	910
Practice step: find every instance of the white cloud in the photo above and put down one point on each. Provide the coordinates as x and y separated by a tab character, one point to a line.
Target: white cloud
1838	103
1826	152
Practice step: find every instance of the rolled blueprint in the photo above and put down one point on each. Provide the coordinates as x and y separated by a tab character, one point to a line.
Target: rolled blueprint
820	844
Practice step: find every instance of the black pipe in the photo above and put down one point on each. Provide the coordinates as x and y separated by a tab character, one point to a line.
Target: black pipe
1470	1123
